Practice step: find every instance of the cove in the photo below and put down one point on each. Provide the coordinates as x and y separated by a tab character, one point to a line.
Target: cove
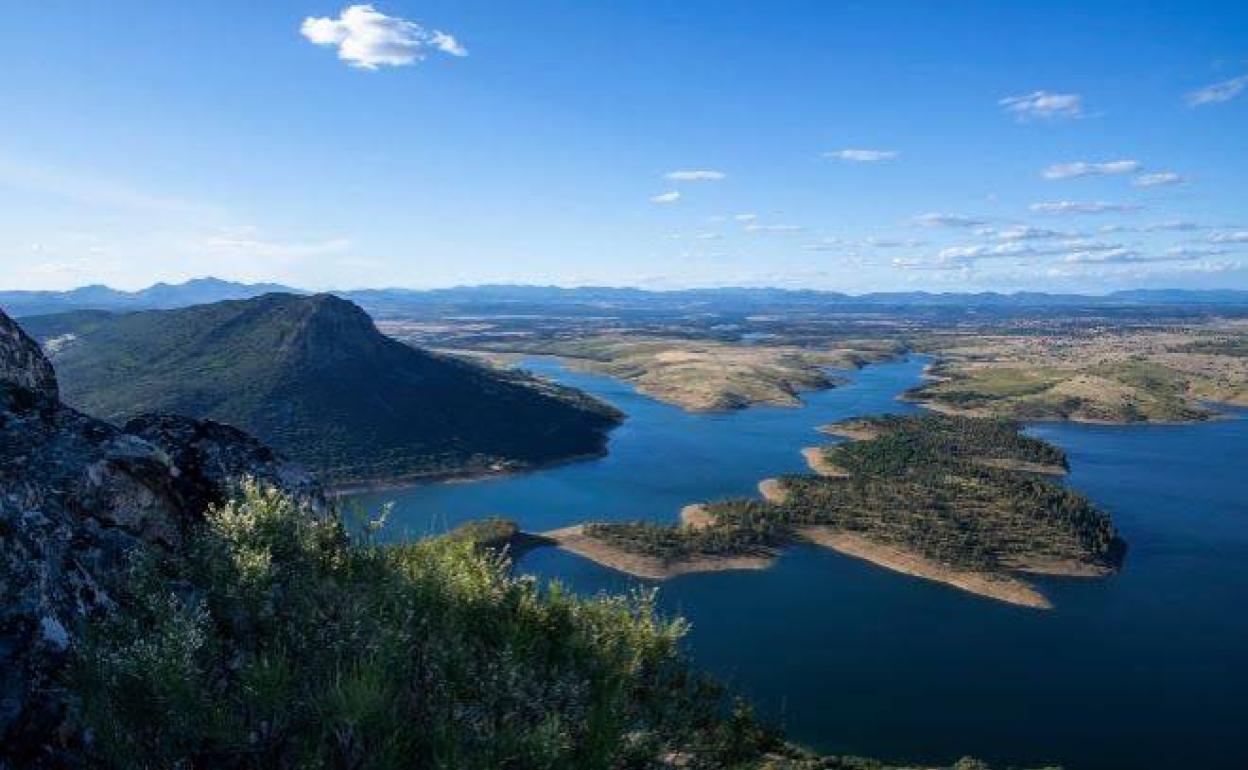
1148	668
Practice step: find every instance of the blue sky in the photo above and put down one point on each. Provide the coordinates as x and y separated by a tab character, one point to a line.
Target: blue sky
853	146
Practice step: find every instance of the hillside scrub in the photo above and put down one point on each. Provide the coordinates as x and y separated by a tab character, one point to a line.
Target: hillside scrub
278	642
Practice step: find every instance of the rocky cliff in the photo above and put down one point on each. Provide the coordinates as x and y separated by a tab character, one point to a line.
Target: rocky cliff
77	497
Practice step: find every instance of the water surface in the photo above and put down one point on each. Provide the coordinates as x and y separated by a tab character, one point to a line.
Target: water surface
1146	669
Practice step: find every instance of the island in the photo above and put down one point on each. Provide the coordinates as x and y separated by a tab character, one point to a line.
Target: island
968	502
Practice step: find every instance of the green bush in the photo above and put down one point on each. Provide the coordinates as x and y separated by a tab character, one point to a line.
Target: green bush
275	641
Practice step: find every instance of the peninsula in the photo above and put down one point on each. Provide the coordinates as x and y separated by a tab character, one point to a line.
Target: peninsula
963	501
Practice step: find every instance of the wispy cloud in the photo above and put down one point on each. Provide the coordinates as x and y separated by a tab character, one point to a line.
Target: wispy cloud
946	220
1196	252
695	175
1181	225
1026	233
89	190
671	196
755	227
247	242
745	217
862	156
1158	179
1043	105
1074	207
892	243
1236	236
368	39
1082	168
1215	93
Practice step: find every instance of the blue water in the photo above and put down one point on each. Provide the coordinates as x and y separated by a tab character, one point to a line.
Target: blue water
1147	669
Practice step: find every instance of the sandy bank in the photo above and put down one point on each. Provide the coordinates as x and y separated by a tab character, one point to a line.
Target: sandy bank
773	491
818	462
696	516
575	540
999	587
850	430
463	476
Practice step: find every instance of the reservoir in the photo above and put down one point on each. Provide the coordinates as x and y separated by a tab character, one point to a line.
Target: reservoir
1148	668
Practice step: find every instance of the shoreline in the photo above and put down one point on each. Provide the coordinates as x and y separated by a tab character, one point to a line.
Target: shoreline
773	491
1002	588
574	540
465	476
818	463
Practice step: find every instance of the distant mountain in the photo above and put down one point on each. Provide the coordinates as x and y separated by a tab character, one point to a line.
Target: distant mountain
312	376
502	299
158	296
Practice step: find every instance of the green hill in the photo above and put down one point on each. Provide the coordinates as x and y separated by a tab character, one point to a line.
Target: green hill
312	376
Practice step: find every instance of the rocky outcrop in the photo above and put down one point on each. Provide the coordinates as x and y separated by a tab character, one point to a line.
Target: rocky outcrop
22	362
77	497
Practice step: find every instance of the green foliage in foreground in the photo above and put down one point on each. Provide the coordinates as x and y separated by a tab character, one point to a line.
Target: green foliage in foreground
276	642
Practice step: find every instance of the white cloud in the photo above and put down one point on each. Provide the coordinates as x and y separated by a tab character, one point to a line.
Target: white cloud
695	175
754	227
1158	179
862	156
247	242
1195	252
892	243
1238	236
1027	233
1043	105
1083	168
671	196
1181	225
1105	256
368	39
1223	91
1073	207
946	220
746	217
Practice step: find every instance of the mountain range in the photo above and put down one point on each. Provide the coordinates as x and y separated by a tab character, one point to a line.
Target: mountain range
394	302
311	376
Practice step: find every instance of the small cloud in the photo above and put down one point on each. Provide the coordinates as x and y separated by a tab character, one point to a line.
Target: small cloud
745	218
1181	225
695	175
708	236
862	156
1106	256
1073	207
946	220
1043	105
671	196
1238	236
368	39
754	227
827	244
1216	93
893	243
1158	179
1026	233
1083	168
1195	252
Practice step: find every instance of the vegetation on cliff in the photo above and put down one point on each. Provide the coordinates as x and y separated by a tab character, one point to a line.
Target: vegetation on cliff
276	642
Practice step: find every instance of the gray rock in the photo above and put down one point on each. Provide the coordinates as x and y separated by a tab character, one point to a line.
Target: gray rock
77	497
